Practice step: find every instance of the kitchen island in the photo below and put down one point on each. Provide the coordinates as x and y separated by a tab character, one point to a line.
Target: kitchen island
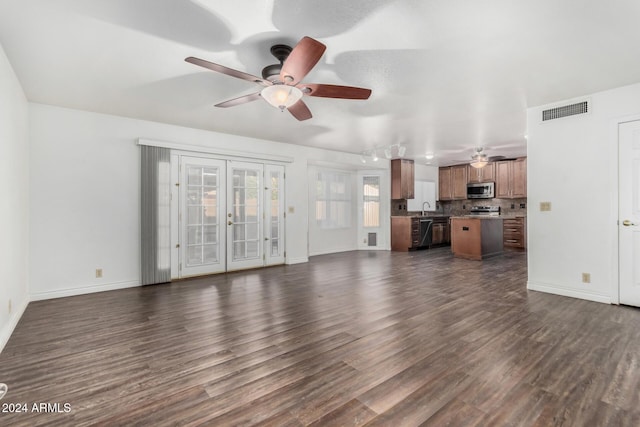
476	237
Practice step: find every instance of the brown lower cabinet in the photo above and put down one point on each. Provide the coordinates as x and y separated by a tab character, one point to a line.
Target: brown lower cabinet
441	234
405	233
476	238
515	233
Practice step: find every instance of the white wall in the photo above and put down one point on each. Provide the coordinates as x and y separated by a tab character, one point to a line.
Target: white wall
572	163
85	195
426	172
14	210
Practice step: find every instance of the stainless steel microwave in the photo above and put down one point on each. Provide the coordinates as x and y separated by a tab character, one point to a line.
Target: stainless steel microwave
483	190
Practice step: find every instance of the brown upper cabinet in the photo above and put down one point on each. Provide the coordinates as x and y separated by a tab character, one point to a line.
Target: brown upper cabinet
402	179
511	179
452	183
485	174
444	184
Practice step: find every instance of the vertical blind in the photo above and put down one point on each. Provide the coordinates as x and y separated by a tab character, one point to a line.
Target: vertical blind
155	188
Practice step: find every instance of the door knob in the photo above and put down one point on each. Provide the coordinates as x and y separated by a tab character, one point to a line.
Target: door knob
627	223
230	223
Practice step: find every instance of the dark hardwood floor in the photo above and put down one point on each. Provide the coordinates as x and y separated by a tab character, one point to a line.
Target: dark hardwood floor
358	338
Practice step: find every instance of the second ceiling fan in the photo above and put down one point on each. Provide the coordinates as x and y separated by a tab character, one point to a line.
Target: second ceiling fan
282	82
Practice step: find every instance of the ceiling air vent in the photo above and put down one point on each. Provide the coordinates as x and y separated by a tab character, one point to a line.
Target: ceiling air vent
565	111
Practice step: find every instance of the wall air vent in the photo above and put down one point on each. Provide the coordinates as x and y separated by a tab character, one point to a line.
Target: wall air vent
372	239
565	111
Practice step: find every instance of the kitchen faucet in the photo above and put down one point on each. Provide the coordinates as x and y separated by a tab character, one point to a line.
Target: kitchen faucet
425	203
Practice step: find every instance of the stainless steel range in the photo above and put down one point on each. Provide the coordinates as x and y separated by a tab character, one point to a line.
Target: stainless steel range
485	210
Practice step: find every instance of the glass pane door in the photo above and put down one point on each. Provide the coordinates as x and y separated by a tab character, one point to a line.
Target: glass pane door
245	215
274	215
202	219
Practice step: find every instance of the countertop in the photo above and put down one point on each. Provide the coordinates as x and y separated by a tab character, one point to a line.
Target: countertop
508	216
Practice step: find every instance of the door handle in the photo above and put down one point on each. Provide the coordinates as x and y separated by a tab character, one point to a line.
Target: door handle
230	223
627	223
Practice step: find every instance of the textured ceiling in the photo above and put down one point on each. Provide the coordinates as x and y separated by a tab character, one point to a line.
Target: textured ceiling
446	76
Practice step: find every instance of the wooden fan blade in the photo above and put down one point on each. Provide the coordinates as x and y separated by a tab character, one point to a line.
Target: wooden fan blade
304	56
228	71
334	91
240	100
300	111
496	158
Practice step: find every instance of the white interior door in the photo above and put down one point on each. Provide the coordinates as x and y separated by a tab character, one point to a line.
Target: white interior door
202	220
244	215
274	215
629	213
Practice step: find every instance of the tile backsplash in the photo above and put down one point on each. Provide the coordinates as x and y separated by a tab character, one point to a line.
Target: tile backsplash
461	207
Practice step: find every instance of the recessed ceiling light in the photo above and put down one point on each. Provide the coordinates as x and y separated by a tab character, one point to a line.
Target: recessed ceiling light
429	156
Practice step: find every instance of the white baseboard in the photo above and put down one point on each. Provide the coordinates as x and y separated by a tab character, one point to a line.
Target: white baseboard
373	248
37	296
7	330
568	292
301	260
333	251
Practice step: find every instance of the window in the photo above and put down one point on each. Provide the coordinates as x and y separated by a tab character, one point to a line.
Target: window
371	201
333	200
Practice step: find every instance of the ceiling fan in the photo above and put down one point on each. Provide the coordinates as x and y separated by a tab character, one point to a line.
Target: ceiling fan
480	159
282	82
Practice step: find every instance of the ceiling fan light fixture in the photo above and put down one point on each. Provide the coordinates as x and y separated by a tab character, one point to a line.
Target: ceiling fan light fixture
479	161
281	96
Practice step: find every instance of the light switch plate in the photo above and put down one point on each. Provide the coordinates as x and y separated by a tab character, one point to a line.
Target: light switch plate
545	206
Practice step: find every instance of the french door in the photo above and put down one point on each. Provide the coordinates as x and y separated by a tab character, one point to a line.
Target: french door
230	215
202	215
245	215
274	214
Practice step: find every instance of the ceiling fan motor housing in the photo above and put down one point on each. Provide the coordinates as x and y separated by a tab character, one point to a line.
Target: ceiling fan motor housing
281	52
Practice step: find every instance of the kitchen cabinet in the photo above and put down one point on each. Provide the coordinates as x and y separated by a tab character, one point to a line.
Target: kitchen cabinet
485	174
444	184
406	233
452	182
476	238
515	232
511	179
402	179
441	234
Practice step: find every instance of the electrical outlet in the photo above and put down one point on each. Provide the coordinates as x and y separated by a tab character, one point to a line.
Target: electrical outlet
545	206
586	278
364	240
292	209
98	273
